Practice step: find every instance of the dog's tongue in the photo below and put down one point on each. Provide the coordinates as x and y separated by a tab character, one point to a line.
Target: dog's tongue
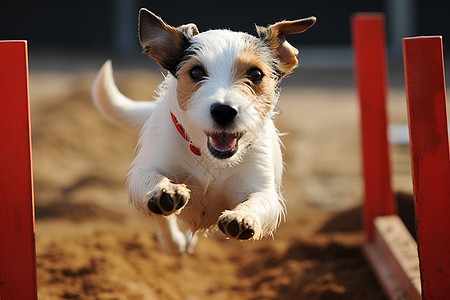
223	142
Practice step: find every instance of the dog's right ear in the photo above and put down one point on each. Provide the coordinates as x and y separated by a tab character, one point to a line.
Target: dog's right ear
162	42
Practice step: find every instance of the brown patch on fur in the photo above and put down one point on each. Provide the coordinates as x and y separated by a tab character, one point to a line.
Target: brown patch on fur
275	35
261	93
157	49
286	53
186	85
163	42
288	56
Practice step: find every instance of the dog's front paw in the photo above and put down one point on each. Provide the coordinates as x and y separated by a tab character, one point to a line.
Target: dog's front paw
237	226
168	198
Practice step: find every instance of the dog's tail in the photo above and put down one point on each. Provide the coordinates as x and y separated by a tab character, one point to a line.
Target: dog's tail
114	106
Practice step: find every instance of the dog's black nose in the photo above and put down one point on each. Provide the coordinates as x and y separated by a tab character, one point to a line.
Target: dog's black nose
223	114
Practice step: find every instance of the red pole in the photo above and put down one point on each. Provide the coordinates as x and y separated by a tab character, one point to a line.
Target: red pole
17	244
369	46
427	111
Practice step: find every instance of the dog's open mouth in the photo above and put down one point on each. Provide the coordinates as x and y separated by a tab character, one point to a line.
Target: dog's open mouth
222	144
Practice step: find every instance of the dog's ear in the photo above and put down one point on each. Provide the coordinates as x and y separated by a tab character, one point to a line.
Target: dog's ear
162	42
275	34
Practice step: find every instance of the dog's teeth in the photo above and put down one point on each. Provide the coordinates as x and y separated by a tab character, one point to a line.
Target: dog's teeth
233	143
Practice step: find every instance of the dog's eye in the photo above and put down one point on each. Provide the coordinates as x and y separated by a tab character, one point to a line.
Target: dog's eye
255	75
197	73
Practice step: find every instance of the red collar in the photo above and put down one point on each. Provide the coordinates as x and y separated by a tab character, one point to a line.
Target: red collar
183	133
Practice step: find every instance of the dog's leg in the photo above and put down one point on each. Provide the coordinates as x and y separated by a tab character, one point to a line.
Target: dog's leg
255	218
154	194
172	240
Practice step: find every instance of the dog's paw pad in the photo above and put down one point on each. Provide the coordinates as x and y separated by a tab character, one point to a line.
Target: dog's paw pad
233	228
154	208
168	200
247	234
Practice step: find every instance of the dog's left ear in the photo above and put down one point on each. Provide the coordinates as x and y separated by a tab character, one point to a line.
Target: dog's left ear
162	42
275	34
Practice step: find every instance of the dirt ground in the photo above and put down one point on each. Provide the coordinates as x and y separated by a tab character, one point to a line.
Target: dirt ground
92	245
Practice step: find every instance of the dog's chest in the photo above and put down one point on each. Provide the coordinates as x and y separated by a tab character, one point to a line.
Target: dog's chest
205	204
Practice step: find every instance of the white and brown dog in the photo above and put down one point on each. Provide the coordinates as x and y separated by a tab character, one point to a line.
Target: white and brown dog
209	152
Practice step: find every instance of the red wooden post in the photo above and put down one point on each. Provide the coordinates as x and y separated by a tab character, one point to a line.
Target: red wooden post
17	244
427	111
369	46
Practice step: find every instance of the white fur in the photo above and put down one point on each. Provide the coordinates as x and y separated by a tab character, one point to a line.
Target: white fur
245	187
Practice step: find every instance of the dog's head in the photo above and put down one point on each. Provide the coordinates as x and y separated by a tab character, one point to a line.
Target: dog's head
227	81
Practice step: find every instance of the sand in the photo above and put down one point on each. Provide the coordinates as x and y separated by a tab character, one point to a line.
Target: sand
92	245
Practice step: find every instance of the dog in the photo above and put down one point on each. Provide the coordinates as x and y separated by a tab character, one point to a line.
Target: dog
209	153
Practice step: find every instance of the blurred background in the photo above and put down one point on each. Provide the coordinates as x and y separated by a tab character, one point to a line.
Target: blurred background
74	28
92	245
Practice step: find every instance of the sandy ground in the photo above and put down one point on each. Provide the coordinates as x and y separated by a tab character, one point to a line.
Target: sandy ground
92	245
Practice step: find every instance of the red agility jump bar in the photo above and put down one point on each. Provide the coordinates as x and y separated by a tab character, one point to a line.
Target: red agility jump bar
369	44
389	248
17	240
427	112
